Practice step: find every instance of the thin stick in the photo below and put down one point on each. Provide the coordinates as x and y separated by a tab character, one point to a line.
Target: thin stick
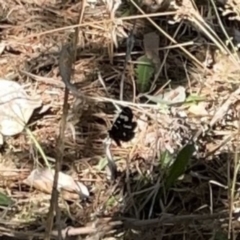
96	22
130	44
197	62
66	56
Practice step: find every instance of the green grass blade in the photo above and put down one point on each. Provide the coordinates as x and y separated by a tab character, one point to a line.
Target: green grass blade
144	71
5	200
180	164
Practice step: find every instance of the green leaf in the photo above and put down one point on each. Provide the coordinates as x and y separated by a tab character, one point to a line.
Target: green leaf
166	159
126	13
220	236
5	200
111	201
180	164
102	164
144	71
194	98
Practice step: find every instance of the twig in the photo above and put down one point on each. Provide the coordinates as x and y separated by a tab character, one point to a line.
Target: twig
105	21
111	163
60	146
65	68
66	59
130	44
233	182
101	226
173	219
195	60
108	224
65	72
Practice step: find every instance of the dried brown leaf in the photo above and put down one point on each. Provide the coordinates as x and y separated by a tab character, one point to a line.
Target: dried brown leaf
225	107
151	45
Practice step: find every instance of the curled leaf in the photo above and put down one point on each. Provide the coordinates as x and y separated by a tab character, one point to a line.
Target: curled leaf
177	95
16	107
42	179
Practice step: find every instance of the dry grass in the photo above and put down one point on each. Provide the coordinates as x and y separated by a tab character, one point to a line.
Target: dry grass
198	53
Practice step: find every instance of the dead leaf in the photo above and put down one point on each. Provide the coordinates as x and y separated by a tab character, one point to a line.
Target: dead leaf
44	109
177	95
198	109
151	45
16	107
42	179
219	114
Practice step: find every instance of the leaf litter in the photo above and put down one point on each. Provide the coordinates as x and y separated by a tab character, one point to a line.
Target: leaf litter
16	108
42	179
28	38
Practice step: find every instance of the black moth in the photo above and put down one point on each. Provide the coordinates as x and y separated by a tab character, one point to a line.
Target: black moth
123	127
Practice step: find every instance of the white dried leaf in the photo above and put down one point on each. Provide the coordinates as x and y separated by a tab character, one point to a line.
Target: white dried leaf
44	109
16	107
42	179
177	95
198	109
